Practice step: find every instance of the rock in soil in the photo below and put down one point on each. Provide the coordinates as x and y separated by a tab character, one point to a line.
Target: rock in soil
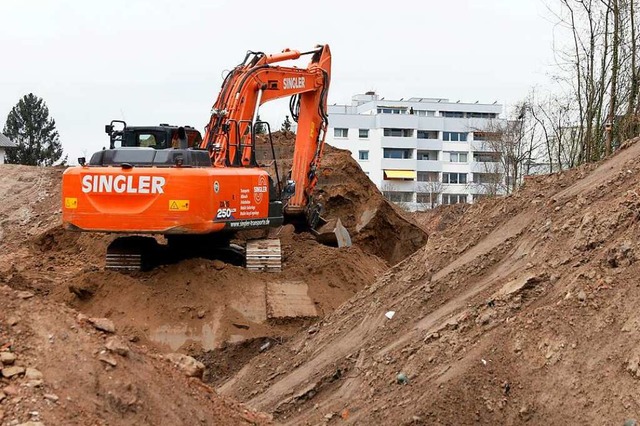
32	374
103	324
108	359
9	372
51	397
190	366
11	390
117	345
25	295
7	358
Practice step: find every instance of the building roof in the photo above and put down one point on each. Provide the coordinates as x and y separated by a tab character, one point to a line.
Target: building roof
5	142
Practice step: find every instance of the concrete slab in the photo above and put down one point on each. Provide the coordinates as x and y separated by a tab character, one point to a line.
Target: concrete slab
289	299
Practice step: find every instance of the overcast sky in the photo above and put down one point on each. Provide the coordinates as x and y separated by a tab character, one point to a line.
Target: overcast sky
158	61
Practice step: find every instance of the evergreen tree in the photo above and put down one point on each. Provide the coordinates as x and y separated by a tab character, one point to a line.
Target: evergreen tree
261	128
29	126
286	125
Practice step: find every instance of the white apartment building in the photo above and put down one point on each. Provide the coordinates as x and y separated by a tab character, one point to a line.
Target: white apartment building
420	152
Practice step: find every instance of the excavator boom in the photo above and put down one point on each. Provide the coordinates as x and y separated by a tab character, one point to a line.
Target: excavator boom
230	134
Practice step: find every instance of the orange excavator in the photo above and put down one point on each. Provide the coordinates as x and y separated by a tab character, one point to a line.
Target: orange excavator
200	191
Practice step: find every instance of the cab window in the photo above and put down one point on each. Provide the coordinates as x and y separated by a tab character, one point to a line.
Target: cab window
146	141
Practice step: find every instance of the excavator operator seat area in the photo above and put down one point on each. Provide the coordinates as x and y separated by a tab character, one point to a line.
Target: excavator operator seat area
149	139
156	137
149	157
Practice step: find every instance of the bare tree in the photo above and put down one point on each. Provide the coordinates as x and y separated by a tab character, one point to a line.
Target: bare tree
428	194
516	143
490	182
555	117
599	72
392	193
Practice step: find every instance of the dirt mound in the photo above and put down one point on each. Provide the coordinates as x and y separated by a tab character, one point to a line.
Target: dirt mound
58	370
377	226
524	310
205	308
440	218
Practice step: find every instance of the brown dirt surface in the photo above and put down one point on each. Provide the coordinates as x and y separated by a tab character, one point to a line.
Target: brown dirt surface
523	310
218	312
74	386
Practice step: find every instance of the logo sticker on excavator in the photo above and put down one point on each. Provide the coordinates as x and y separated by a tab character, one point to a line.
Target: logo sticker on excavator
123	184
178	205
70	203
293	82
260	189
216	186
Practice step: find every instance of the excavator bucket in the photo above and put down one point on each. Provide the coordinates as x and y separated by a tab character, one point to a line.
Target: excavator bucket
332	233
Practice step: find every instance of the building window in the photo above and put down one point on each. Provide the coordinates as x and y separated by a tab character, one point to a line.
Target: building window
428	177
454	198
485	136
428	198
453	114
427	134
457	157
399	196
486	178
485	115
398	133
486	157
455	178
363	133
428	155
477	197
363	155
403	154
340	133
454	136
391	110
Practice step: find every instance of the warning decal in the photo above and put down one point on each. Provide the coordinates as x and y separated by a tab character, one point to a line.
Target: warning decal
70	203
178	205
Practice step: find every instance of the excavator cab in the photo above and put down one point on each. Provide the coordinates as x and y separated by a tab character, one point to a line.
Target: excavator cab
163	136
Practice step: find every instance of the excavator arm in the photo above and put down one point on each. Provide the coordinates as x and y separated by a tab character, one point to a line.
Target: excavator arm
230	133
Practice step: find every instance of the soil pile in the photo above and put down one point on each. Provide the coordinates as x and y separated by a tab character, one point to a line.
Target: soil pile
523	310
376	226
56	368
195	306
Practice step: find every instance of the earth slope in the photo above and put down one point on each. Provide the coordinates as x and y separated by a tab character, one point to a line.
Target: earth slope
524	309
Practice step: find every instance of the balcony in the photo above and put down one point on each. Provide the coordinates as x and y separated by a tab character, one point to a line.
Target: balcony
429	144
398	164
486	167
484	146
455	167
406	121
398	142
429	166
455	188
